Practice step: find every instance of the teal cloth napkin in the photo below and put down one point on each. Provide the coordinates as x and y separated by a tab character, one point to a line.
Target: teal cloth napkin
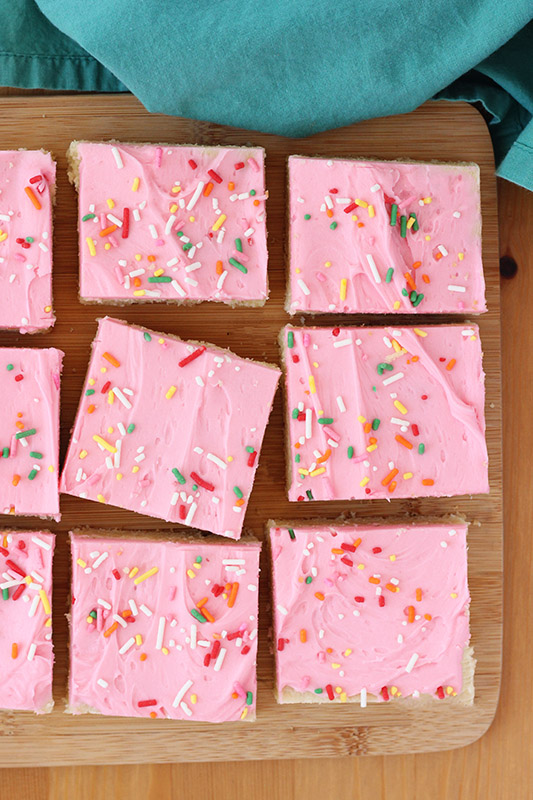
293	67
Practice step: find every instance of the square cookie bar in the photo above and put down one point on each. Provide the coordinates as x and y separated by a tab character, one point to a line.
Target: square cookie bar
384	237
384	412
170	223
29	431
163	628
27	190
169	428
26	651
367	612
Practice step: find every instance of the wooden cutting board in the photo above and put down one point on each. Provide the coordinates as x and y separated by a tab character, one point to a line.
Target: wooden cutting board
442	131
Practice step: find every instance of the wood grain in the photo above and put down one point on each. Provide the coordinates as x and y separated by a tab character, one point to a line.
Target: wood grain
280	732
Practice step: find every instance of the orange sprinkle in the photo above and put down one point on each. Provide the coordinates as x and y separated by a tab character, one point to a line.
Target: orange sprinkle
428	617
425	278
428	482
360	224
107	231
392	474
227	587
19	414
410	614
391	587
329	212
136	281
438	256
209	617
367	427
202	602
208	189
451	364
234	695
337	551
417	264
111	359
127	613
373	440
153	714
19	425
151	258
111	630
240	502
14	650
297	445
319	596
399	438
357	543
231	186
303	635
233	595
91	409
418	595
392	486
372	579
33	198
324	457
219	268
256	202
16	479
410	281
414	359
143	656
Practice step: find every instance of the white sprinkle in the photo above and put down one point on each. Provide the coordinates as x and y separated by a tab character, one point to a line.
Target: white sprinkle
412	662
127	645
249	232
282	610
373	268
194	199
191	513
222	278
120	620
342	342
34	603
160	633
454	288
181	694
145	610
140	458
403	422
172	262
135	272
252	587
192	640
174	499
340	403
363	697
198	451
100	560
375	188
222	464
243	195
396	377
199	380
133	605
178	289
153	231
31	651
328	201
41	543
12	278
118	159
303	286
104	603
220	659
120	396
387	341
193	267
442	250
184	707
221	234
191	281
308	423
102	683
115	220
43	247
468	332
452	533
170	222
400	639
191	252
456	214
136	214
444	544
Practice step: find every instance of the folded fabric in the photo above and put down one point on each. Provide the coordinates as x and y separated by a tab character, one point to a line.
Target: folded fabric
292	67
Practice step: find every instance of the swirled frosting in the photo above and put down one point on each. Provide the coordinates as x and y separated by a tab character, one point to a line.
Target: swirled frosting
384	237
29	430
26	652
385	412
169	428
27	187
369	610
171	223
163	629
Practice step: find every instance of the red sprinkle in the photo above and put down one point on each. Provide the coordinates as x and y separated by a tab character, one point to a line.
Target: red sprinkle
25	245
231	636
359	599
36	179
295	358
4	551
216	649
19	240
385	693
251	459
183	512
239	165
350	207
18	591
424	397
105	387
116	574
212	174
144	703
348	546
347	561
15	568
415	430
207	660
216	589
333	191
440	693
192	164
200	481
336	331
329	690
367	490
281	643
245	649
442	359
376	549
21	544
381	601
389	200
126	223
191	357
19	377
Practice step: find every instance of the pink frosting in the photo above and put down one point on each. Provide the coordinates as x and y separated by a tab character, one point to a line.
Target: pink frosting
29	431
405	409
442	258
190	209
351	593
182	428
182	666
27	180
26	653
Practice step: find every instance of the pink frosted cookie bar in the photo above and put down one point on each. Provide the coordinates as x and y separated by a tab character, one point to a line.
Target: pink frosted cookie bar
383	237
385	412
163	628
371	612
26	652
169	428
171	223
27	188
29	431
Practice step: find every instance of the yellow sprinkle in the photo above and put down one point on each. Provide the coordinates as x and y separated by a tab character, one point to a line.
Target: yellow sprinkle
361	419
171	392
335	666
426	200
303	471
420	332
298	270
397	346
110	398
360	566
136	468
107	246
48	309
133	572
312	384
110	203
407	475
371	448
99	440
371	212
83	453
244	712
110	429
138	639
449	689
230	459
220	221
103	369
135	184
393	690
159	272
197	566
396	305
90	620
3	236
91	381
90	245
348	652
160	341
361	203
392	558
315	363
344	284
48	623
460	256
81	563
364	481
327	264
45	601
100	498
453	595
137	256
191	219
28	579
427	238
410	223
173	208
190	573
164	651
139	292
119	476
354	217
51	468
338	689
194	699
176	189
146	575
318	471
401	408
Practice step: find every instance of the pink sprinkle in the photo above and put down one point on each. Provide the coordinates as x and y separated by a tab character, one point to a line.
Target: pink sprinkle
306	680
119	276
306	340
320	277
327	430
238	689
56	380
94	478
158	156
321	656
159	242
20	257
103	220
172	593
112	241
242	257
13	446
254	165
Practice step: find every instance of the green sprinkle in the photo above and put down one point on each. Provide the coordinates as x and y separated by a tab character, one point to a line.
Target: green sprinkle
375	424
32	474
421	448
160	279
319	691
5	594
416	226
333	225
30	239
238	265
393	214
292	534
130	428
295	413
187	246
249	449
179	234
253	192
290	339
89	392
350	452
147	337
196	614
87	217
238	245
309	494
195	487
403	226
405	292
388	276
325	421
413	296
309	579
374	389
418	300
307	216
297	458
35	454
10	367
24	434
179	477
249	695
384	366
92	614
237	492
198	560
5	452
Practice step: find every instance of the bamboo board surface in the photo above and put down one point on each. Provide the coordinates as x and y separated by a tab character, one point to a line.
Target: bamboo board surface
434	131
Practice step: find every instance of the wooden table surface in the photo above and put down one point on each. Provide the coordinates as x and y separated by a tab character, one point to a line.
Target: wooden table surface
499	765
